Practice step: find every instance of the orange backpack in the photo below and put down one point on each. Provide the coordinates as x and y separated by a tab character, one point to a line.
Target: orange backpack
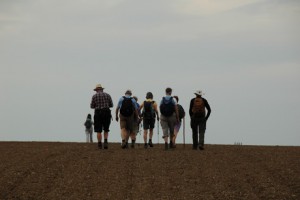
198	107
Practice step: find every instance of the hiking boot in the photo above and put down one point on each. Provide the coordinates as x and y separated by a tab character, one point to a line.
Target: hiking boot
150	144
123	145
171	145
132	146
166	146
105	145
146	146
201	147
99	145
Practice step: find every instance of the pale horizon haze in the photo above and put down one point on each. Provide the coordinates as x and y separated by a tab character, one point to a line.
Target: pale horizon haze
244	55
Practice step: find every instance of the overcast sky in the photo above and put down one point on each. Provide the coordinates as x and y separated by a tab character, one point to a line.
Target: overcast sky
244	54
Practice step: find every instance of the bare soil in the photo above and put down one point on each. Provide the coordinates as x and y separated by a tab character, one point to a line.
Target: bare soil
44	170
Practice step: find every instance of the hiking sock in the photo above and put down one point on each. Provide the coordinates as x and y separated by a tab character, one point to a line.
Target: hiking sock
105	140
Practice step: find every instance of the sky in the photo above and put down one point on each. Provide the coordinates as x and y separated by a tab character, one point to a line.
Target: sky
243	54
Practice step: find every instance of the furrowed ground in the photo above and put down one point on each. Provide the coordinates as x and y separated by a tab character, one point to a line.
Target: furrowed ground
44	170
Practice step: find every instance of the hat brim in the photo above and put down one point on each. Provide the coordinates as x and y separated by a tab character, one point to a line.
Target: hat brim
98	88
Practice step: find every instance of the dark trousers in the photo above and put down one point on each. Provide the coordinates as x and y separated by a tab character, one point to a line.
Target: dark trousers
198	126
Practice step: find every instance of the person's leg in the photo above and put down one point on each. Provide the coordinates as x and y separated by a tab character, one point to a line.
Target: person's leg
151	126
124	132
171	123
195	133
124	136
98	127
99	138
165	128
106	119
201	139
145	138
133	138
176	130
91	135
87	135
150	137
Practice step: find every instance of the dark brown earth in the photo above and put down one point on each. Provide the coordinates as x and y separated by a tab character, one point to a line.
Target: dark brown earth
42	170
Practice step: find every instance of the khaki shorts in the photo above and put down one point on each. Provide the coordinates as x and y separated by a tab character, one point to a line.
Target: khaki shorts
127	122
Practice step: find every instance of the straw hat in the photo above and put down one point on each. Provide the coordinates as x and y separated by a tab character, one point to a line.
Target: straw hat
98	86
199	93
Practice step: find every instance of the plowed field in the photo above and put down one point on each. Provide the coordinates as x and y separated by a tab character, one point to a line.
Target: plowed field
42	170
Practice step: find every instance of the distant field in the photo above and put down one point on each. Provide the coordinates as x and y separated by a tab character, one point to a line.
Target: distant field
42	170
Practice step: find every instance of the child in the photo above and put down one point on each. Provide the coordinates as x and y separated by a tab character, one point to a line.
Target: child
89	128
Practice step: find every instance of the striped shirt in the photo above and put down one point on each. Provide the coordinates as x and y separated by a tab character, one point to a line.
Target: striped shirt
101	100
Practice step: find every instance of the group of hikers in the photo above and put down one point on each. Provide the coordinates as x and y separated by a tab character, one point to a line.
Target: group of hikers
131	114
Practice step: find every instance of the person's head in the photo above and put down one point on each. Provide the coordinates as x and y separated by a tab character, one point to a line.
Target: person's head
98	88
128	92
89	116
177	99
169	91
149	95
199	93
135	98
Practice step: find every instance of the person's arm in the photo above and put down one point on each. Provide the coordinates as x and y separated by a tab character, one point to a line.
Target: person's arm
156	110
208	109
111	104
191	107
136	110
93	105
117	114
176	109
118	108
140	108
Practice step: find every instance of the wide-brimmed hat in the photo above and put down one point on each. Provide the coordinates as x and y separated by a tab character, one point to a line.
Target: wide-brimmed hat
199	93
98	86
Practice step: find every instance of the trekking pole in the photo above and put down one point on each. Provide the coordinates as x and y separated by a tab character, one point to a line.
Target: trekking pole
157	132
183	133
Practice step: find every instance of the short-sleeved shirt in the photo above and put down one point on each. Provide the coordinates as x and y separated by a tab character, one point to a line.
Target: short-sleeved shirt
168	97
101	100
132	99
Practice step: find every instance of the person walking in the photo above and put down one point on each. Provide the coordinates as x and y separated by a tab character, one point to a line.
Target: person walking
177	126
89	128
102	103
169	117
136	124
199	118
149	113
128	112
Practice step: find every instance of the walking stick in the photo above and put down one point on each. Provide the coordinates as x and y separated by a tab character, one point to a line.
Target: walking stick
183	133
157	132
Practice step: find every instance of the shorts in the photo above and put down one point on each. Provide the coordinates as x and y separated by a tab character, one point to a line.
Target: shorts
167	125
148	123
102	119
127	122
